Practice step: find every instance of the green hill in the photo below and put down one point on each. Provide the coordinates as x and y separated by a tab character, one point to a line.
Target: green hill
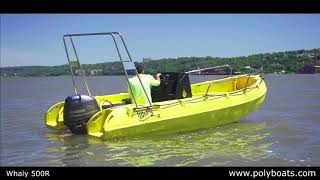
288	61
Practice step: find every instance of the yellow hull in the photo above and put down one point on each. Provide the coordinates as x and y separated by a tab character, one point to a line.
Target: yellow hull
224	102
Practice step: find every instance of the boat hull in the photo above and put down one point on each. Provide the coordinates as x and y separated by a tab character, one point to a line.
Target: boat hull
198	112
197	121
227	101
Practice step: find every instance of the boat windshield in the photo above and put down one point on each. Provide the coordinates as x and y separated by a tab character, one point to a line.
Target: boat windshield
121	63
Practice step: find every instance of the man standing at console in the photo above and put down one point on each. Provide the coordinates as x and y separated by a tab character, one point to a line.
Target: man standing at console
147	81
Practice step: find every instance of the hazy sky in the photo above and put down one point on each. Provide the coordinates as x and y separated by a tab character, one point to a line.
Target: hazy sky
36	39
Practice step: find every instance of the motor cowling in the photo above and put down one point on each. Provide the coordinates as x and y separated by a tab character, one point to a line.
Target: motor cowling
78	109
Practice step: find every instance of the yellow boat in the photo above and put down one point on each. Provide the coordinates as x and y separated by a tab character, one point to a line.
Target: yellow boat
177	106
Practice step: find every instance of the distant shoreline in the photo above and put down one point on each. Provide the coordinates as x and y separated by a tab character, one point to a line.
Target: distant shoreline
69	76
299	61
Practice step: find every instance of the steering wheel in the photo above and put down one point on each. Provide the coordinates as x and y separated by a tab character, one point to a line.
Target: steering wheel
161	76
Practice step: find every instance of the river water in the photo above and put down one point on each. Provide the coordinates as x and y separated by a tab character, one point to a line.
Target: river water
284	131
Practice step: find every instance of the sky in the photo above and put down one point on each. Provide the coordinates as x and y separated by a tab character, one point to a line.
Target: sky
37	39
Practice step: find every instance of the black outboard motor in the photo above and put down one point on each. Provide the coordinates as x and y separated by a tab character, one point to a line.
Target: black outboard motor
78	109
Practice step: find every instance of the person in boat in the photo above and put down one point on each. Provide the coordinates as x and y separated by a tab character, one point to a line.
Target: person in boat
147	81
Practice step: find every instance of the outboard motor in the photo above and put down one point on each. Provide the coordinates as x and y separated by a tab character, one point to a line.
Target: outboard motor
78	109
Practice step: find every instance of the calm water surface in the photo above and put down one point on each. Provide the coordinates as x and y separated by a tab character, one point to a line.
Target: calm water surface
285	130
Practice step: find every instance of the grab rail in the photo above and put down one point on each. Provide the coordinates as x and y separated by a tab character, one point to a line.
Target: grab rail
163	106
227	80
214	67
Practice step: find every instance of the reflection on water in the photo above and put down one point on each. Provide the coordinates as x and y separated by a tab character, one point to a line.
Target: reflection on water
211	147
70	150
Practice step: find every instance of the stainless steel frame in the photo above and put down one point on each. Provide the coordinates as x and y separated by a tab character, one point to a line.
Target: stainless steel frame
214	67
112	34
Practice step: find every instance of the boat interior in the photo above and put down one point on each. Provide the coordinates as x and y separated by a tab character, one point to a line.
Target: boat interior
177	86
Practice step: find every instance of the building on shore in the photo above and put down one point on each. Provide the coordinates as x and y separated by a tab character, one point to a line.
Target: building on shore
310	69
89	72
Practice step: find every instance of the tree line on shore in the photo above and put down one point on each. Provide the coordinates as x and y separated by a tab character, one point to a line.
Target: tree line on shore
285	62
